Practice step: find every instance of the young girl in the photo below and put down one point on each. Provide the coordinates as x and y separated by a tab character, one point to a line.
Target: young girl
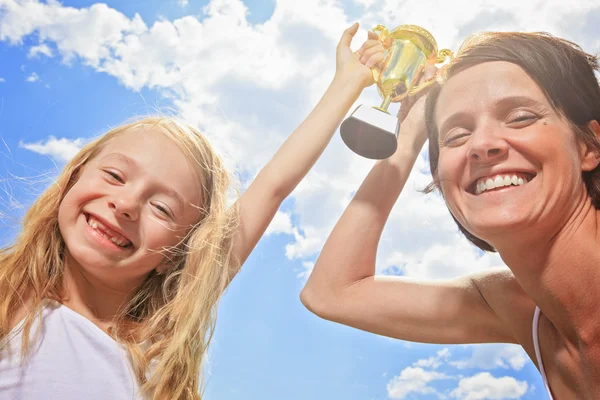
111	289
514	148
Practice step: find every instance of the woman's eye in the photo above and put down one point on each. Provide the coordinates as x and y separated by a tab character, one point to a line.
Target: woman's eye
453	139
520	118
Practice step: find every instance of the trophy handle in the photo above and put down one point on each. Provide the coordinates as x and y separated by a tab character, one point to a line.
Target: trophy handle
441	57
443	54
383	33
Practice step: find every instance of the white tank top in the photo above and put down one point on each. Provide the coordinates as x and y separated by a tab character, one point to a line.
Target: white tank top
73	359
538	353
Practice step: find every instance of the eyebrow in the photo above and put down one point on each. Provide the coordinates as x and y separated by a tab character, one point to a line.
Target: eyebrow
503	104
163	188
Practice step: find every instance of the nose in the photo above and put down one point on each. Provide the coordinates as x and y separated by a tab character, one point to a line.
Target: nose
124	207
487	145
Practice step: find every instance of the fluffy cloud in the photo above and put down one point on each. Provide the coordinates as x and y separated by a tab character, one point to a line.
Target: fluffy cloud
248	85
413	381
484	386
43	49
281	223
493	356
61	150
434	361
33	77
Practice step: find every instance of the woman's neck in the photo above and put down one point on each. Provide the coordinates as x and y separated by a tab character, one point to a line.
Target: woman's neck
561	273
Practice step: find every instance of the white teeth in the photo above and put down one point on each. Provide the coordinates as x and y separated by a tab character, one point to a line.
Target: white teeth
119	241
499	181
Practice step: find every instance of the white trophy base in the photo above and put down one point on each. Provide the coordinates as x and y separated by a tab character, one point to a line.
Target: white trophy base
371	133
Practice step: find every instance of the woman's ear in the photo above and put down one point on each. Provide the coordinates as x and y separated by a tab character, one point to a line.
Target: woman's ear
591	157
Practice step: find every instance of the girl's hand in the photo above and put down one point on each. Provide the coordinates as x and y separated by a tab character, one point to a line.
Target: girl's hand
348	64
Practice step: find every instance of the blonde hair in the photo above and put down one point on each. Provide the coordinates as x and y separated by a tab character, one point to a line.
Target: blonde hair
170	320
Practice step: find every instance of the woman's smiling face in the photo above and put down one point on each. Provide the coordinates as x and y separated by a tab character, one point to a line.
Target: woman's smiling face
508	160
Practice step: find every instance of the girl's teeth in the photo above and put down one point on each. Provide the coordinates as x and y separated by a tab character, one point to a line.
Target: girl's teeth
118	241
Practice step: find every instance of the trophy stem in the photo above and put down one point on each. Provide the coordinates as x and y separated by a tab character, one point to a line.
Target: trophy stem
386	103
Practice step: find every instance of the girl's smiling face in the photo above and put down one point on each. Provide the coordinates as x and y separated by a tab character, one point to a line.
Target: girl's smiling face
508	161
136	198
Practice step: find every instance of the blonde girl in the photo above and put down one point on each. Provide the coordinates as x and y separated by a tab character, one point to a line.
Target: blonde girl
111	289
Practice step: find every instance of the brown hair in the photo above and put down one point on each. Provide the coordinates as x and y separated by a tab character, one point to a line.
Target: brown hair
563	71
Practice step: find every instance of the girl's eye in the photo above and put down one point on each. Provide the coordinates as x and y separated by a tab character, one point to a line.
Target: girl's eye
163	209
115	176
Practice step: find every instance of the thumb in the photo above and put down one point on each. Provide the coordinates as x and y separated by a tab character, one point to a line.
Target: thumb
348	34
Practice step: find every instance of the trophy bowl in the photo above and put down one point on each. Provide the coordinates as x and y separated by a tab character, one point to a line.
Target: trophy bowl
371	131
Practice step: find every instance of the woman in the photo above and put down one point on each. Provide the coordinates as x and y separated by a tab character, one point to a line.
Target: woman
513	135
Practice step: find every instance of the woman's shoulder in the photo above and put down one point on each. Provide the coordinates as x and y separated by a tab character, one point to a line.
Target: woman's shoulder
509	301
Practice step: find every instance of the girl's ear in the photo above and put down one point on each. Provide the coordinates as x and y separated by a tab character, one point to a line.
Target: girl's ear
591	157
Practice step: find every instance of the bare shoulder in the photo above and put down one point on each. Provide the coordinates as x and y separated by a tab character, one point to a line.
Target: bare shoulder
505	296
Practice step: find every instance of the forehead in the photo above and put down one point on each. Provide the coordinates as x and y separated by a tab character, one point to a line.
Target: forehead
481	86
157	158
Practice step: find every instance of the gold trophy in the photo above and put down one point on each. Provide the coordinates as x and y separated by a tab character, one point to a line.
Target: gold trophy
371	131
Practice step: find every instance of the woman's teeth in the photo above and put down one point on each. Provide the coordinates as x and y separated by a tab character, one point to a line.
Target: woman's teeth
499	181
107	233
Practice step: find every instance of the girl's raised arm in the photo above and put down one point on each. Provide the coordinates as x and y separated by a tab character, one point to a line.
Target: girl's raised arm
300	151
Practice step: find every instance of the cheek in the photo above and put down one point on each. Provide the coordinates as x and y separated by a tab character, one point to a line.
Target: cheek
160	234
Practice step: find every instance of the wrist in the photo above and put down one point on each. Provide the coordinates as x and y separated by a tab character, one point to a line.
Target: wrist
410	140
354	80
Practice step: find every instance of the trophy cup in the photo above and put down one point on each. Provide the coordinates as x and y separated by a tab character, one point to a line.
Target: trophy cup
371	131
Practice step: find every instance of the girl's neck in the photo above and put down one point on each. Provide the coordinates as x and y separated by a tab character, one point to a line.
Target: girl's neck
86	295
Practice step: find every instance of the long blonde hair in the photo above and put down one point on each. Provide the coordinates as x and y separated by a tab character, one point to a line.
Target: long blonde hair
170	320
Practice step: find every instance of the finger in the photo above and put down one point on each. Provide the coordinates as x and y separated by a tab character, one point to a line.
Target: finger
373	36
375	59
378	49
368	45
430	71
348	34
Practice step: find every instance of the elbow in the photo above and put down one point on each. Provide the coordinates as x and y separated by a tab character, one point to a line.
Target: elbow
316	302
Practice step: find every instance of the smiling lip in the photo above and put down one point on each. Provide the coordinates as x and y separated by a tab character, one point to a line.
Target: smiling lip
108	232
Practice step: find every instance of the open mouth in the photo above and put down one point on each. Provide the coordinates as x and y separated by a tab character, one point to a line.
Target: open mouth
109	234
499	181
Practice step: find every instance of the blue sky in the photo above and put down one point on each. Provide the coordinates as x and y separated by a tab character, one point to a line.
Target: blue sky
247	73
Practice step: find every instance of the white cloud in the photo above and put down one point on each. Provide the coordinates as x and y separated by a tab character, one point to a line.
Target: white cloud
491	356
33	77
40	49
61	150
413	381
2	80
183	3
281	223
484	386
434	361
248	86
